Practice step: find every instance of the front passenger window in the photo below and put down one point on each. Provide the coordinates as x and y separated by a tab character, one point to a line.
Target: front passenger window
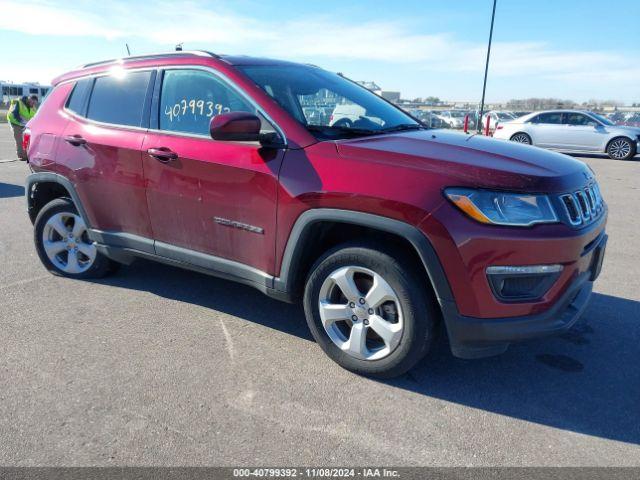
189	99
578	119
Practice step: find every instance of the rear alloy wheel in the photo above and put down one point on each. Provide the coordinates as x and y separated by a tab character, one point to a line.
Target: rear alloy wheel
369	310
63	243
621	149
521	138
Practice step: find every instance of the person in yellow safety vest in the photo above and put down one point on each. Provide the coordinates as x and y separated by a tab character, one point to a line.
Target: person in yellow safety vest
21	110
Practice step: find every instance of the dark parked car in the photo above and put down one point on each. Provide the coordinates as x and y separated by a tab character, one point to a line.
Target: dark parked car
383	228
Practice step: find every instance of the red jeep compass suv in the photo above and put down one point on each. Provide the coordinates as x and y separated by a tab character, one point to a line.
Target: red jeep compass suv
235	167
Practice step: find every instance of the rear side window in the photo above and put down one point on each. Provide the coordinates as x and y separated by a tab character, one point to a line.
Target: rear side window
119	99
189	99
76	100
550	118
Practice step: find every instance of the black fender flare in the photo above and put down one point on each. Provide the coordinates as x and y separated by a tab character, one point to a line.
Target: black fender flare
50	177
294	249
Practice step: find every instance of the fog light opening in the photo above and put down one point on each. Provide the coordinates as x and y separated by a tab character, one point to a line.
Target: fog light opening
525	283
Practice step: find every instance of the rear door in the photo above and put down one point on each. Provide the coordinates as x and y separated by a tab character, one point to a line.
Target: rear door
213	197
547	130
101	150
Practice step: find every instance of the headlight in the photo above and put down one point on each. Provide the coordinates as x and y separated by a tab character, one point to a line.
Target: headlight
502	208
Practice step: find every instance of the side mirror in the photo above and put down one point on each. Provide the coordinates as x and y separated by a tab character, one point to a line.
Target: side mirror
242	127
235	127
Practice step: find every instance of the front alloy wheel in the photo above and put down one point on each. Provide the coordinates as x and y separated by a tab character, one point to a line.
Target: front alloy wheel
621	149
366	326
370	308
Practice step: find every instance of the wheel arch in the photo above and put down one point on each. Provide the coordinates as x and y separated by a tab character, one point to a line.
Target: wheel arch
616	137
42	187
306	244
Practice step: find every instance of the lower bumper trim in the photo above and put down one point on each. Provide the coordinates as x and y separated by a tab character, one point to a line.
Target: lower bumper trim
480	337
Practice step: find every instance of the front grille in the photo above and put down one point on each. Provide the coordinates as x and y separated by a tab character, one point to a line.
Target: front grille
583	206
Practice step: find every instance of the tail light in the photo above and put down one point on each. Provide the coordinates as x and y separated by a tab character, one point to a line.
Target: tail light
26	139
498	127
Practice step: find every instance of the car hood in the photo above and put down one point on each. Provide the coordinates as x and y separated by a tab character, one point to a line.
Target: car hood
472	160
633	131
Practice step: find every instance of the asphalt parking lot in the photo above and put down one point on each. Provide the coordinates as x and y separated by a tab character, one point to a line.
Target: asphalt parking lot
159	366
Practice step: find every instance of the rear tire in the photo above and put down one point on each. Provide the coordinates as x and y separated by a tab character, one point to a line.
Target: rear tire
621	148
521	137
369	310
63	245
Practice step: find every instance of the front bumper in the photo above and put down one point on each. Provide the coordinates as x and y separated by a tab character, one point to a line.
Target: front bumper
480	337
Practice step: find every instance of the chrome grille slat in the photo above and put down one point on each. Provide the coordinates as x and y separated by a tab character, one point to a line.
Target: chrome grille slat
591	200
572	209
583	206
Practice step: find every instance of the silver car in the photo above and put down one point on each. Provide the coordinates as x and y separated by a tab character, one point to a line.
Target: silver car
572	131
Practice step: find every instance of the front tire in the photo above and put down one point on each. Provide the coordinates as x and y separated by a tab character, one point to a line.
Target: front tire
369	310
63	244
621	149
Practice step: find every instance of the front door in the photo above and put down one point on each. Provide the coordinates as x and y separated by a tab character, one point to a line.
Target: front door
582	132
206	196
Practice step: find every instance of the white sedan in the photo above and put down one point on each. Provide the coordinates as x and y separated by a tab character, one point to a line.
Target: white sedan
572	131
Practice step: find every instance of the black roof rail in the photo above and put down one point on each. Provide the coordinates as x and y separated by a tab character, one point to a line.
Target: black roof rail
154	56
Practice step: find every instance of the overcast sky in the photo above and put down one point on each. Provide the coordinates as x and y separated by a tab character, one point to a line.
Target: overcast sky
576	49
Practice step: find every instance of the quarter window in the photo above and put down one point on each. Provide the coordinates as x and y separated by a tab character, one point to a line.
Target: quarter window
189	99
119	99
78	95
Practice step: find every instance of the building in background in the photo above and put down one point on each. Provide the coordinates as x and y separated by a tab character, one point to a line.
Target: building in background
375	88
12	90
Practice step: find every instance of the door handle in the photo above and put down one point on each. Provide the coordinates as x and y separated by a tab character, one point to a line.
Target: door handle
75	140
162	154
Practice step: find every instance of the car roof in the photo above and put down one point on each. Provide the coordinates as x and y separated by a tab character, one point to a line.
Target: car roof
563	110
566	110
169	58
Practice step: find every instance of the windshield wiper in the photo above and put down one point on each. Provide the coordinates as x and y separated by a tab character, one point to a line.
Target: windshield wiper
339	129
403	127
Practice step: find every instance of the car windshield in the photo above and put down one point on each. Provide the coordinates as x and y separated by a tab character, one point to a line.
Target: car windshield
505	116
458	114
602	119
327	104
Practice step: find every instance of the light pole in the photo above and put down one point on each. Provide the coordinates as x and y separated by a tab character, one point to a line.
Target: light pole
486	68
